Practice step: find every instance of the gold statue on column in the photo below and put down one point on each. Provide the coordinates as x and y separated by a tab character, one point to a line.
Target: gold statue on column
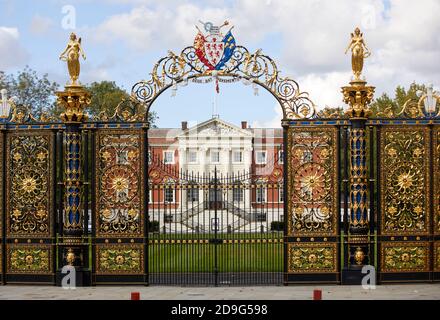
359	52
71	54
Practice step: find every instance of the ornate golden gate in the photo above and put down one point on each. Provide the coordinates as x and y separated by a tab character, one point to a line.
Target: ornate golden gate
360	191
28	179
408	222
313	204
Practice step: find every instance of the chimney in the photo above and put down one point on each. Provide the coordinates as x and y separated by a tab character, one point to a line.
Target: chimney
244	124
184	125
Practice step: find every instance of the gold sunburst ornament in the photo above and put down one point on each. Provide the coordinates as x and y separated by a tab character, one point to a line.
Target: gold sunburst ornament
120	184
29	184
405	180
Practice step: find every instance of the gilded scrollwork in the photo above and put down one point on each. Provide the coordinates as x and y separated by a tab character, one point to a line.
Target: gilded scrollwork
405	182
255	68
412	109
29	259
405	257
312	258
119	195
123	259
29	184
312	181
127	110
21	114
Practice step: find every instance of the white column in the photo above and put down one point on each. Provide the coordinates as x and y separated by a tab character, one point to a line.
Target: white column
225	159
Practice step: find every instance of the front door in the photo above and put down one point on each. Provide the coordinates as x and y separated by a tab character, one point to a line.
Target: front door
215	199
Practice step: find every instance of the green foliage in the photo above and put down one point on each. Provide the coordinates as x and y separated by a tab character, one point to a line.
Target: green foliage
38	93
106	96
30	89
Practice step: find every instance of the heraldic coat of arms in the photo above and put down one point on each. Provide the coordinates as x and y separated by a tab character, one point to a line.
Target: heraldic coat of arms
213	49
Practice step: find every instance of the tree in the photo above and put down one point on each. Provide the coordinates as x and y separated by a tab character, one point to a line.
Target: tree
31	90
106	95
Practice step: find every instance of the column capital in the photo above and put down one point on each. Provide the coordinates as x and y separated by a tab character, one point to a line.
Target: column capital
358	96
73	99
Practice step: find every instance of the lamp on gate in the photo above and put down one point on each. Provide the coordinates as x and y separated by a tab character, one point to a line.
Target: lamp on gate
429	99
5	106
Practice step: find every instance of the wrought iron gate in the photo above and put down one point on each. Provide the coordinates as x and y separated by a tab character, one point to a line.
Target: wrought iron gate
214	229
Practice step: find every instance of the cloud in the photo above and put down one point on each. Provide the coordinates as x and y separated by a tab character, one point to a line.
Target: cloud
312	37
11	52
270	123
145	28
39	24
324	89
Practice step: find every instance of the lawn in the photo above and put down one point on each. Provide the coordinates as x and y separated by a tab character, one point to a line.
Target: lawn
231	257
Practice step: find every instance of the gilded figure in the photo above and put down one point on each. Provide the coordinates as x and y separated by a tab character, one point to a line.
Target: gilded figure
71	54
359	52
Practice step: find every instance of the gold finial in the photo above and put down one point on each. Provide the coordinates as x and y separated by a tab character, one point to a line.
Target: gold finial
359	52
71	55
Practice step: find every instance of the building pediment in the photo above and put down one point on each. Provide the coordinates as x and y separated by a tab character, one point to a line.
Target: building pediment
215	128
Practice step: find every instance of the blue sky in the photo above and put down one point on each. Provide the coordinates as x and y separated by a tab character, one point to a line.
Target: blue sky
124	38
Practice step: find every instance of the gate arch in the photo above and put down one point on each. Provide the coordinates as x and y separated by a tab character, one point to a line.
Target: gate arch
256	68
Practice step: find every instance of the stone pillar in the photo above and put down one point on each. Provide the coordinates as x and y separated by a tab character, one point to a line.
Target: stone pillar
358	95
73	247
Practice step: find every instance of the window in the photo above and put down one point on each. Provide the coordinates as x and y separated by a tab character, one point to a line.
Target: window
193	194
215	156
192	157
150	156
150	196
168	157
237	193
307	156
261	194
281	194
281	157
169	195
260	157
237	157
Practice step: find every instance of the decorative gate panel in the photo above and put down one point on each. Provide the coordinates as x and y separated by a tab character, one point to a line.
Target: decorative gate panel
405	203
313	210
120	206
29	206
436	209
2	248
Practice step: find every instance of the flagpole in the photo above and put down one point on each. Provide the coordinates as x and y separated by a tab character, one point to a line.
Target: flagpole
215	103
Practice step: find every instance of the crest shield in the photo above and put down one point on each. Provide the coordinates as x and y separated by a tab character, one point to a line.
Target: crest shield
214	48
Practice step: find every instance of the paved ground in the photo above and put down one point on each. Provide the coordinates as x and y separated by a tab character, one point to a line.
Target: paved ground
412	292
